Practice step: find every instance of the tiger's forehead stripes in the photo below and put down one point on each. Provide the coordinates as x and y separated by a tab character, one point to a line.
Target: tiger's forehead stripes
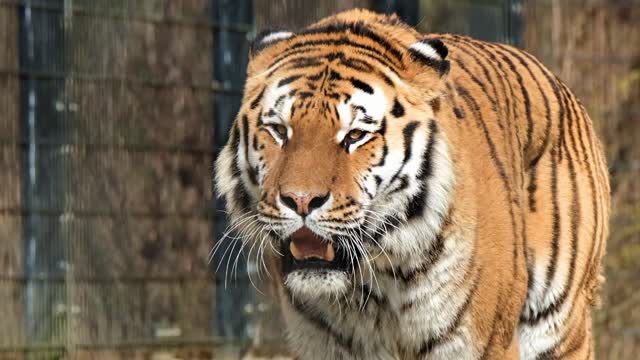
357	36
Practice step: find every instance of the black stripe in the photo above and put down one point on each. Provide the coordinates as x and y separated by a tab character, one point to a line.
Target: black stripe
407	133
378	180
288	80
235	141
526	99
383	158
417	204
362	85
256	101
364	190
255	142
245	137
334	75
240	195
383	127
353	63
404	183
570	112
435	105
317	76
368	120
447	333
346	342
398	109
555	227
580	119
301	63
594	202
475	108
305	94
253	175
295	62
547	355
573	117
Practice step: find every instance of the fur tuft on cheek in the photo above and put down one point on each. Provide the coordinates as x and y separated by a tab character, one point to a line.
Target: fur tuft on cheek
225	179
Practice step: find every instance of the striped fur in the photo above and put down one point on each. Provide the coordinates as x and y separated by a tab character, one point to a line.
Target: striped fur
474	207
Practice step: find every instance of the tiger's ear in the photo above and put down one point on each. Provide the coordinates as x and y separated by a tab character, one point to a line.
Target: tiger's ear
268	38
431	53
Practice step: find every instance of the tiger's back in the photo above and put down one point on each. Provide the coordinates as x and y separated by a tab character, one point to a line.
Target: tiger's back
461	188
554	182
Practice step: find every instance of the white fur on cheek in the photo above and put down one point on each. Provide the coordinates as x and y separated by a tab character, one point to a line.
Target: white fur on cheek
224	179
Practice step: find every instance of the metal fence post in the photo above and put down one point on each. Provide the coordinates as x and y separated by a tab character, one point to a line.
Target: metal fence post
230	52
42	49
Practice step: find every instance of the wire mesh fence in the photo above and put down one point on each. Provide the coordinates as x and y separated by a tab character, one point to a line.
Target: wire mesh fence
112	112
107	214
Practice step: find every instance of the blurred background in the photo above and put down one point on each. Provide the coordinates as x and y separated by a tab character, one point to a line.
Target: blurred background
111	115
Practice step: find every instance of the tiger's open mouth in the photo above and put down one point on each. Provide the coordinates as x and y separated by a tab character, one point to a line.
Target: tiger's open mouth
304	250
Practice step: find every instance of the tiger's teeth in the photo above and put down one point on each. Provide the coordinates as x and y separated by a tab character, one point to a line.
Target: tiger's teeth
294	251
330	254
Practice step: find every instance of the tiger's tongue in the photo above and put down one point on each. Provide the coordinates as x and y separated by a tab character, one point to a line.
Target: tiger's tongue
305	244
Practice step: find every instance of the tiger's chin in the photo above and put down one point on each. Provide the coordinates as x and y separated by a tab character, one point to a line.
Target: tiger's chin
317	284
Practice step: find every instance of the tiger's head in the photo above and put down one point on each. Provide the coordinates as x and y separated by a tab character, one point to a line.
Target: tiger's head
336	163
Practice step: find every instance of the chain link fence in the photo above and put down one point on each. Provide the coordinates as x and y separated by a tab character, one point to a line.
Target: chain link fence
112	112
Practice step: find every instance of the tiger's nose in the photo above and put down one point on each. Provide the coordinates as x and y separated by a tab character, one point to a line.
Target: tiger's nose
303	203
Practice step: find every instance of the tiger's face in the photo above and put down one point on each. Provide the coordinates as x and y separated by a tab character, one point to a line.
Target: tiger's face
328	155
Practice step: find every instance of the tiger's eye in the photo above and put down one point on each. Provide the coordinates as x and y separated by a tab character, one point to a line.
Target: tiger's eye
355	135
281	130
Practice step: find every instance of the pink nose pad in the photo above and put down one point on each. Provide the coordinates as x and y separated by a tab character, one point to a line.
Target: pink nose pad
303	203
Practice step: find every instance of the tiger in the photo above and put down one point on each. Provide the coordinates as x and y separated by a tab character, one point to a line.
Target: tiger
416	196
